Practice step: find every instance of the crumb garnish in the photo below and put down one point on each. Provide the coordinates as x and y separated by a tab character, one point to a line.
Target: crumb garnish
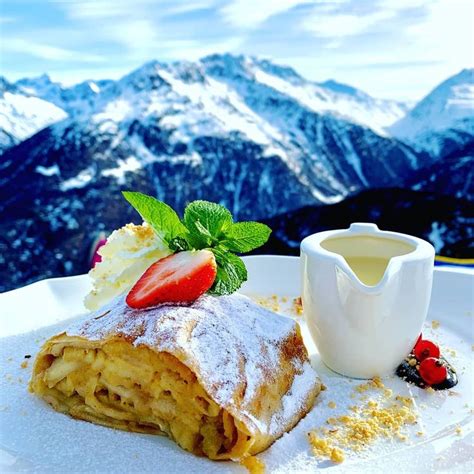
435	324
323	449
364	424
280	304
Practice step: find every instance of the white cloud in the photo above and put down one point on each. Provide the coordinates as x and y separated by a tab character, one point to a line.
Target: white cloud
336	25
248	14
402	4
193	49
446	33
45	51
341	18
398	49
190	6
391	48
103	9
139	36
141	27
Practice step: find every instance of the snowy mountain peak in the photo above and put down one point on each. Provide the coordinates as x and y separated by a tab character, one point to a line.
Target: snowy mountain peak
6	86
448	107
145	78
284	72
226	119
42	87
223	70
227	59
35	85
332	98
465	75
244	67
39	81
23	114
220	87
86	90
227	66
186	71
150	68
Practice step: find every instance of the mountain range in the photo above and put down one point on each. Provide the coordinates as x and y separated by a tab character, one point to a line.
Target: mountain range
246	132
22	114
443	120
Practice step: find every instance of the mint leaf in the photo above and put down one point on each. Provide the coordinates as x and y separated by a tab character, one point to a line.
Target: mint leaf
246	236
231	273
159	215
206	221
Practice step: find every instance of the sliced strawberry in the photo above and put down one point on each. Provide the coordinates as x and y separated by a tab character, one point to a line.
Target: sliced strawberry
178	278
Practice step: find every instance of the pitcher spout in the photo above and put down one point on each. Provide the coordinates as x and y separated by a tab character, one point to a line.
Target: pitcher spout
368	275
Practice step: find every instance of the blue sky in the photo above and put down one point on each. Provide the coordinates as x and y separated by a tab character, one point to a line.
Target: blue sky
390	48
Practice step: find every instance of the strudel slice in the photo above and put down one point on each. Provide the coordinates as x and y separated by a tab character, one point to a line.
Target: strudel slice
222	377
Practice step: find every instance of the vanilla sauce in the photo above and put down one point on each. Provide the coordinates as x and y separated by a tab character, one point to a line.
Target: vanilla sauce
367	256
369	270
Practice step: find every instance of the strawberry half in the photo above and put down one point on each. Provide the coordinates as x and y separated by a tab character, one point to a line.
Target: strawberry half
179	278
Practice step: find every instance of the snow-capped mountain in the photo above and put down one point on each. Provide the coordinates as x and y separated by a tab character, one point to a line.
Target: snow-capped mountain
245	132
356	105
328	97
227	126
443	119
42	87
72	99
22	115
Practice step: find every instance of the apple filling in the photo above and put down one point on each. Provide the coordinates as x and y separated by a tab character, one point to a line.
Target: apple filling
136	389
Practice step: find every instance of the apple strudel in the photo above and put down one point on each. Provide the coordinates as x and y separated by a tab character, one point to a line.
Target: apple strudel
223	377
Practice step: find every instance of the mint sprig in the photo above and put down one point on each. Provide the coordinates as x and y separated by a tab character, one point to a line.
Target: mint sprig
205	225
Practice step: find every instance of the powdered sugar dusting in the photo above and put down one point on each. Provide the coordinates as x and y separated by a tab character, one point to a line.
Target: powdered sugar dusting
234	345
294	399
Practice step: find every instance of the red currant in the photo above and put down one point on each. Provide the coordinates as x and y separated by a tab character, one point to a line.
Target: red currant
433	371
424	348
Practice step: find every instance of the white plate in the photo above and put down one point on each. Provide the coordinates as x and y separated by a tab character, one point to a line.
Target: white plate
34	438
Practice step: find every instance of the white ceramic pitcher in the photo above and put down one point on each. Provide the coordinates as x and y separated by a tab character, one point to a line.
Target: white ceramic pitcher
365	329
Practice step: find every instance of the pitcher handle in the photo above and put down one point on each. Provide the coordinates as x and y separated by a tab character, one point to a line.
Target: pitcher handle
363	227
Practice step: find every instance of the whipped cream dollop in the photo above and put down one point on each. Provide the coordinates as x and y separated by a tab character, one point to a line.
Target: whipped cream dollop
128	252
